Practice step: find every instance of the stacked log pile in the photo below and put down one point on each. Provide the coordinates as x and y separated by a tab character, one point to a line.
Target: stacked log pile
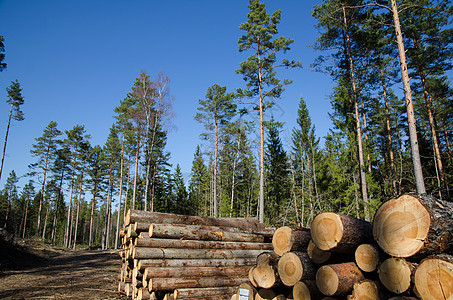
168	256
405	253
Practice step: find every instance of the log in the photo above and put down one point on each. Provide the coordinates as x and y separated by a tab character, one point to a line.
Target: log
410	225
265	294
144	263
200	232
171	253
251	279
246	291
317	255
306	290
169	284
288	238
265	271
199	292
366	289
340	233
143	294
338	279
433	278
395	274
193	244
367	257
295	266
165	218
195	272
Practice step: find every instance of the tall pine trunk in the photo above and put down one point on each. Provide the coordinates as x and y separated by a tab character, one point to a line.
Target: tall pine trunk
93	204
387	123
119	196
42	192
358	125
67	237
134	191
215	168
78	207
25	216
419	181
6	139
45	222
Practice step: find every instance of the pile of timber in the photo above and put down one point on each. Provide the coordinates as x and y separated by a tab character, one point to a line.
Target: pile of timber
405	253
169	256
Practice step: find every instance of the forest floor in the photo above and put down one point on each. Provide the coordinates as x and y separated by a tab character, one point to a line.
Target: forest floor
34	270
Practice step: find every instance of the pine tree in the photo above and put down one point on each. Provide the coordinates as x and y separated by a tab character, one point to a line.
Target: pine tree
2	55
258	71
215	112
15	99
28	192
45	150
10	196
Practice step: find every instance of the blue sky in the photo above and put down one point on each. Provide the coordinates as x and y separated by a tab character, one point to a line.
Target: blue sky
76	60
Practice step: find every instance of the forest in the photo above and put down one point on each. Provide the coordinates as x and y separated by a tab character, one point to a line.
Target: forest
392	110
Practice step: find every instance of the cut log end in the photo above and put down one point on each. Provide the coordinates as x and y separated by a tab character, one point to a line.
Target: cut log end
365	290
301	291
395	274
327	280
290	269
367	257
326	230
317	255
434	279
281	241
401	225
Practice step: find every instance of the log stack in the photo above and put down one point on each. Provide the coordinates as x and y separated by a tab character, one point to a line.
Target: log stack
405	253
168	256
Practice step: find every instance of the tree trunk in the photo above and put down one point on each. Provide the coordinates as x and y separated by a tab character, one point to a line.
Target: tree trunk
287	239
338	279
25	217
433	278
411	225
134	191
93	203
177	253
203	282
197	272
215	168
42	192
119	196
67	234
6	139
78	207
358	125
419	182
45	223
340	233
295	266
237	262
200	232
165	218
183	293
194	244
395	274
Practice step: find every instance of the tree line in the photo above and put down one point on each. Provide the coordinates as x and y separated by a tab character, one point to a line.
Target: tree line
383	142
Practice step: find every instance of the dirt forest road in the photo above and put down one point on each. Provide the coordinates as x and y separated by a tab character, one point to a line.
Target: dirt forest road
78	274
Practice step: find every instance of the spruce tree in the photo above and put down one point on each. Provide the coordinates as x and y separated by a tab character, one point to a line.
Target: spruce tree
258	71
199	184
45	150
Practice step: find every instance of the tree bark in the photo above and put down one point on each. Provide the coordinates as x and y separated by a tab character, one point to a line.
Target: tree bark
164	218
120	194
295	266
193	244
178	283
6	139
340	233
183	293
172	253
419	182
207	233
338	279
144	263
197	272
358	125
